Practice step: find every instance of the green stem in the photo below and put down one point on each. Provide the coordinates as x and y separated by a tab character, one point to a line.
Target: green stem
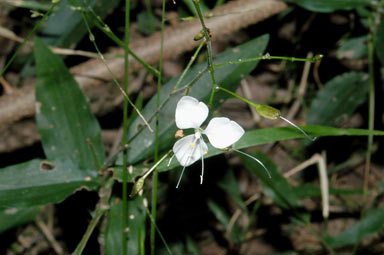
153	221
122	90
125	128
371	120
156	154
371	111
268	57
103	206
239	97
209	50
164	103
44	18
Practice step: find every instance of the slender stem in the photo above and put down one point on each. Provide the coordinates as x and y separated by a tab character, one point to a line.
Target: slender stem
239	97
156	154
103	206
268	57
164	103
44	18
371	112
153	221
140	182
371	119
115	81
209	50
125	128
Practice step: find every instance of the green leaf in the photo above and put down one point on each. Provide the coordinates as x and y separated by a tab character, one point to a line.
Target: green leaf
379	39
142	143
229	185
147	23
63	114
372	223
223	217
353	48
269	135
65	28
338	99
312	190
276	187
13	217
330	5
136	224
253	138
40	182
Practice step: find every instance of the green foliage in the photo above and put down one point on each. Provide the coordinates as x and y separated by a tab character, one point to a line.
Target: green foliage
269	135
338	99
229	185
136	231
63	114
69	33
71	135
353	47
276	187
223	217
379	39
370	224
39	182
147	22
13	217
330	5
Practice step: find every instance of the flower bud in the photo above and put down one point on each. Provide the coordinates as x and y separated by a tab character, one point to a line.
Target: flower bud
137	187
268	112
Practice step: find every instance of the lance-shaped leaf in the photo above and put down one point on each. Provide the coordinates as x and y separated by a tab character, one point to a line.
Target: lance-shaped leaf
13	217
370	224
258	137
338	99
331	5
276	187
63	114
40	182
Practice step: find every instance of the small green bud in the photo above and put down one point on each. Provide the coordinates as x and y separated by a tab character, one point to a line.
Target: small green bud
318	57
266	56
35	14
199	36
137	186
268	112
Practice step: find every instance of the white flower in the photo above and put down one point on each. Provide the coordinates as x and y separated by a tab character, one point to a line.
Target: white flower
221	132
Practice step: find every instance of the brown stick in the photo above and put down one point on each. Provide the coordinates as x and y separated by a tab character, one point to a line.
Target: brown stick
178	39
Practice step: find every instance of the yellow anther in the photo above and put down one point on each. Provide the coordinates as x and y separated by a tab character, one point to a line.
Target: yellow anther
192	145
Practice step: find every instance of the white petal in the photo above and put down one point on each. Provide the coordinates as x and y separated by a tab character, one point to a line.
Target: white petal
189	149
190	113
223	132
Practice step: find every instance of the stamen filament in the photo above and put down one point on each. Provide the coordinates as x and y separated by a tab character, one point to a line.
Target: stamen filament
257	160
202	164
186	162
301	130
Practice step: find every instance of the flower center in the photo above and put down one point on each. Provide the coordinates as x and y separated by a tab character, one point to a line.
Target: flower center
197	133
